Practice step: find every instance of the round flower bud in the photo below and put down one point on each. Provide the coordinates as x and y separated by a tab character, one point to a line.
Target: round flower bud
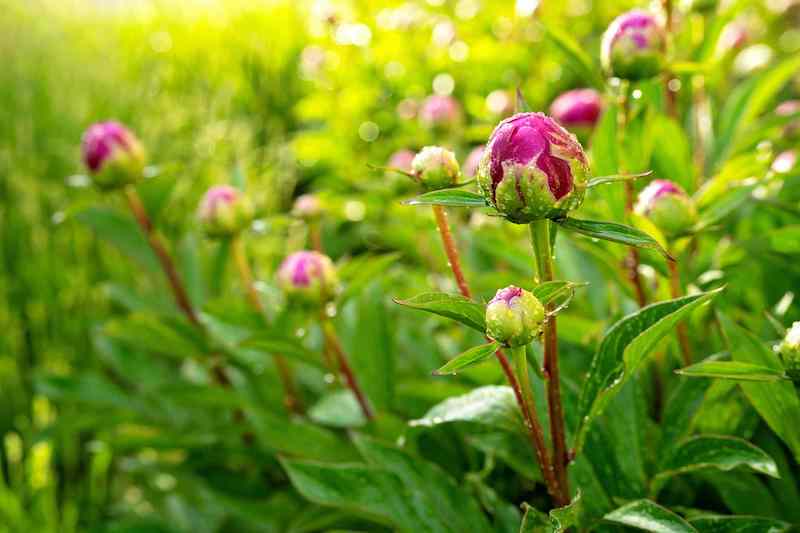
439	111
668	206
532	169
307	207
473	161
224	211
789	348
308	277
514	317
784	162
633	46
436	168
113	155
579	108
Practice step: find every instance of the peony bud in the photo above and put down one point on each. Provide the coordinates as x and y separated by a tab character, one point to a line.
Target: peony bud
224	211
439	111
667	206
514	317
579	108
308	277
633	46
436	168
789	348
307	207
401	160
473	161
784	162
113	155
532	169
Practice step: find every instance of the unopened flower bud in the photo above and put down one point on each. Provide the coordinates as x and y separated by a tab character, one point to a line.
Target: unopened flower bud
473	161
436	168
579	108
113	155
307	207
633	46
224	211
514	317
789	348
401	160
784	162
308	277
439	111
668	206
532	169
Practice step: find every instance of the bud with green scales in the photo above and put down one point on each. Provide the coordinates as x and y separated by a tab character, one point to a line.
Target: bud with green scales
436	168
633	46
224	211
668	206
113	155
789	349
514	317
308	277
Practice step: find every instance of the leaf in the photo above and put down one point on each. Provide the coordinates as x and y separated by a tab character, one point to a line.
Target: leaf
449	198
625	347
471	357
615	178
521	105
492	405
722	207
576	56
122	232
338	409
273	344
738	524
732	370
611	231
672	154
550	291
776	402
362	271
712	451
558	521
451	306
649	516
785	240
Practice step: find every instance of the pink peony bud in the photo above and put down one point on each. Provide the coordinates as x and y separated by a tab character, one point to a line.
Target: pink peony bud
633	46
532	168
224	211
579	108
784	162
668	206
440	112
401	160
473	160
514	317
308	277
113	155
307	207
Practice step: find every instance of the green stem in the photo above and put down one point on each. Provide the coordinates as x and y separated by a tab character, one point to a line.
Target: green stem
542	248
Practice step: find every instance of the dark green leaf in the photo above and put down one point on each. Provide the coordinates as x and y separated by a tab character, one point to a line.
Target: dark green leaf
732	370
449	198
471	357
649	516
452	306
611	231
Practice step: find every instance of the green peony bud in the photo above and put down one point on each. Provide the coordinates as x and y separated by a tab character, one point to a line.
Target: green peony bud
308	278
789	348
514	317
633	46
667	206
436	168
224	211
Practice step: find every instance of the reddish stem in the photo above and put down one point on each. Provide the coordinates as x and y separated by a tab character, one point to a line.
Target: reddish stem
332	340
450	249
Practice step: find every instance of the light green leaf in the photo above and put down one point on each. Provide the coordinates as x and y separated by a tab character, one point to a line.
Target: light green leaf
558	521
469	358
452	306
492	405
122	232
732	370
738	524
611	231
577	57
785	240
649	516
338	409
449	198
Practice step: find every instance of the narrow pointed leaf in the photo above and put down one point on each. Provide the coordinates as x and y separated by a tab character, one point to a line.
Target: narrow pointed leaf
732	370
449	198
558	521
471	357
649	516
551	291
615	178
452	306
611	231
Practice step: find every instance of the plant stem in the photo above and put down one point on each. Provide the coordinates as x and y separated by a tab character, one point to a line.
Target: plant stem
522	387
332	340
315	235
143	219
528	409
239	253
450	249
675	288
540	239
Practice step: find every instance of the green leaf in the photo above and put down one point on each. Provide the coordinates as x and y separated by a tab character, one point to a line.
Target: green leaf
785	240
362	271
273	344
577	57
615	178
625	347
155	193
672	154
451	306
649	516
738	524
449	198
492	405
558	521
712	451
611	231
338	409
722	207
122	232
551	291
732	370
471	357
776	402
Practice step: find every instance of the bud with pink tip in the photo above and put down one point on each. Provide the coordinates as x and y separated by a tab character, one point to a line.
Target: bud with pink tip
439	111
532	169
113	155
668	206
514	317
436	168
308	277
577	109
788	108
224	211
401	160
473	161
307	207
633	46
784	162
